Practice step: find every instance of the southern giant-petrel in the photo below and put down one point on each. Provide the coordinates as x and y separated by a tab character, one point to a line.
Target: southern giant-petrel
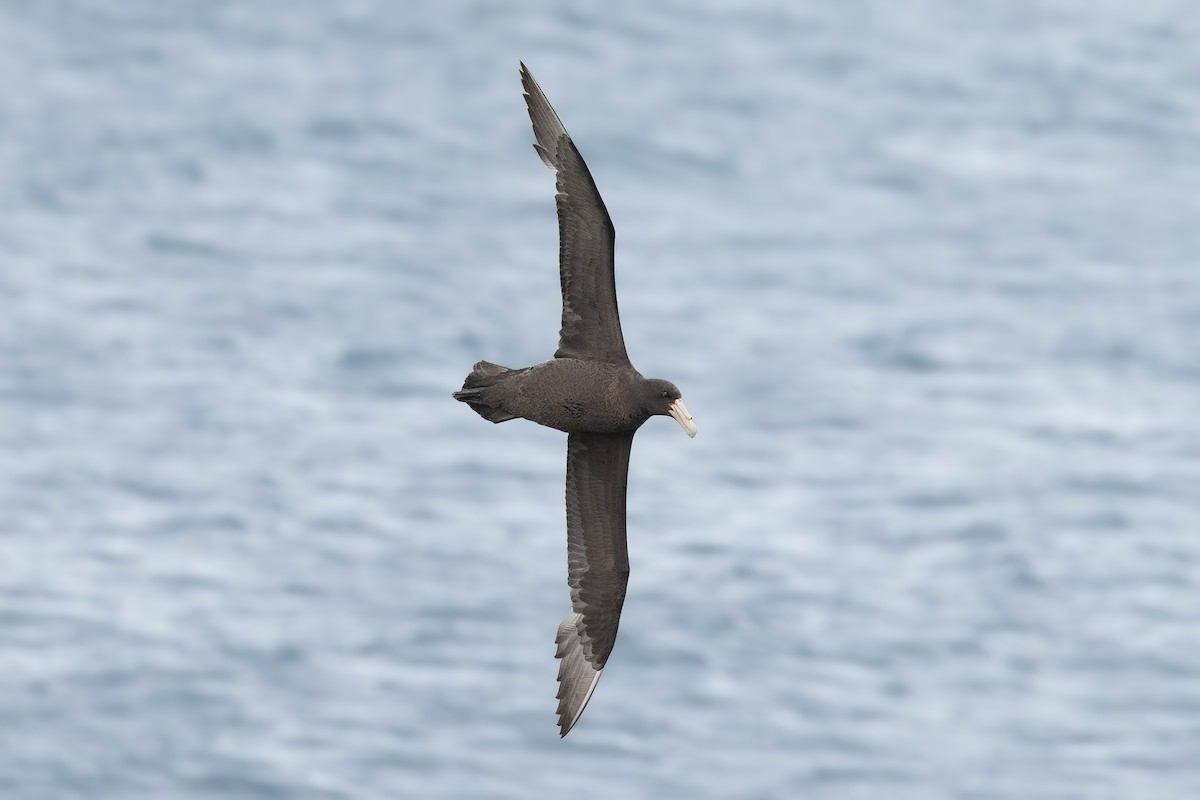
591	391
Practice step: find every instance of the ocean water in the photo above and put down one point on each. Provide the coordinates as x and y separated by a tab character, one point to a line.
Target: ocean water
928	275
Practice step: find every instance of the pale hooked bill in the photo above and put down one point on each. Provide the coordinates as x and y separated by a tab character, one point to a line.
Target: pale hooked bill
681	415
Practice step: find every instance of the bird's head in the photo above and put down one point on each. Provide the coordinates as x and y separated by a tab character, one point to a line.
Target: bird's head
663	397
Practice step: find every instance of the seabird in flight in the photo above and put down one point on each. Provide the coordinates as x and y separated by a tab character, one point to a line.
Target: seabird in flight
591	391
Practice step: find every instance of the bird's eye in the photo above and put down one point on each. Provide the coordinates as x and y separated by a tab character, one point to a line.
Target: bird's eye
666	394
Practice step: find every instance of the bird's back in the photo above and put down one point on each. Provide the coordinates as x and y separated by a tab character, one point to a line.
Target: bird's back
574	395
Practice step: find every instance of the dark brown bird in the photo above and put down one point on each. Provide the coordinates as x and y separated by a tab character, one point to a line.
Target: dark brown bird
591	391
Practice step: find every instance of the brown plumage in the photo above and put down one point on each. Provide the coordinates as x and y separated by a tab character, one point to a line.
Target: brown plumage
591	391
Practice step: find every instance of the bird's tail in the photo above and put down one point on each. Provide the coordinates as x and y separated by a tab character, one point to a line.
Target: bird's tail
474	391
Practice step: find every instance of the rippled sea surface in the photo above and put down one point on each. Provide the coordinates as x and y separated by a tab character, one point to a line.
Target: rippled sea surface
927	273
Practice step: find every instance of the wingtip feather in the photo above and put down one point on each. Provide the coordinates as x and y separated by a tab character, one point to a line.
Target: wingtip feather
577	677
547	127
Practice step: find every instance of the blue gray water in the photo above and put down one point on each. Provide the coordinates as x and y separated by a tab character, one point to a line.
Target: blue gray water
928	275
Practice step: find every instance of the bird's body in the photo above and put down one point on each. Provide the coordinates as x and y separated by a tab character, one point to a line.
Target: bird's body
591	391
570	394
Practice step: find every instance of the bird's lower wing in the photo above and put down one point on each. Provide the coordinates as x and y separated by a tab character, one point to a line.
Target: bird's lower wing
597	565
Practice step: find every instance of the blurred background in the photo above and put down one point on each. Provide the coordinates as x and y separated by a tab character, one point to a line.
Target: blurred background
928	275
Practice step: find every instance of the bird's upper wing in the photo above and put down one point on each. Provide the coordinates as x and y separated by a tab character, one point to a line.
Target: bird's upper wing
591	326
598	564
